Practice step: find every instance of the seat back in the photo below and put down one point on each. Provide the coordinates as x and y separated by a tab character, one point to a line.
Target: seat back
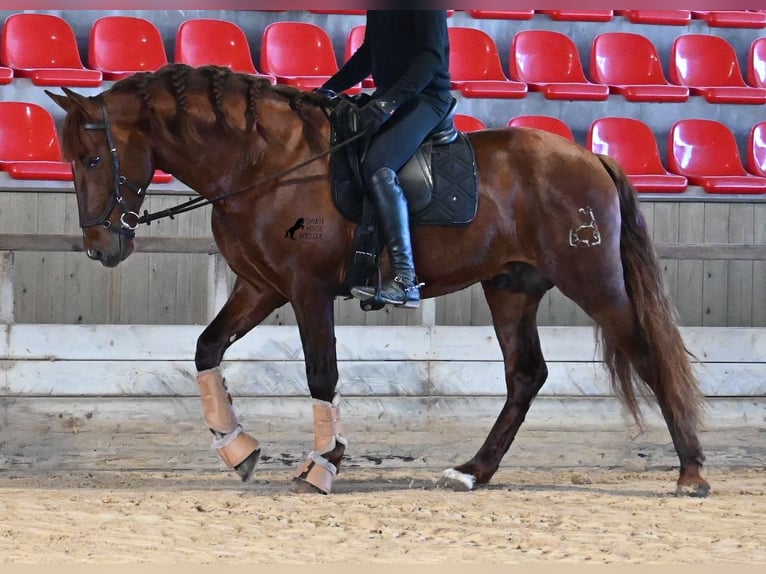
666	17
702	147
756	149
204	41
545	56
27	133
628	141
502	14
125	44
297	49
31	41
579	15
756	63
625	58
547	123
701	60
473	55
466	123
354	39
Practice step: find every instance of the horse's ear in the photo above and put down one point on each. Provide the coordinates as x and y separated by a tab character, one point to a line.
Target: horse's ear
69	100
62	101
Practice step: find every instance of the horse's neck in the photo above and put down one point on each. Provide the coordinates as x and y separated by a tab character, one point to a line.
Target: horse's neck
221	164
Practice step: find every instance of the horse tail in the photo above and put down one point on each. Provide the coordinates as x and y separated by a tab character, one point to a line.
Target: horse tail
665	358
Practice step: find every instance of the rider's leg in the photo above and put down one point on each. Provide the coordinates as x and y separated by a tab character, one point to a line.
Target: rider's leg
390	149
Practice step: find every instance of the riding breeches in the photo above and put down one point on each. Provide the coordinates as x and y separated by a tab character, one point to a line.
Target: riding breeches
399	138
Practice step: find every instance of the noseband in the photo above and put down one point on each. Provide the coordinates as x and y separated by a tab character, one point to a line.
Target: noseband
129	220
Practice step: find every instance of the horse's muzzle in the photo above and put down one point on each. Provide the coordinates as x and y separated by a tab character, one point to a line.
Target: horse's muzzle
111	255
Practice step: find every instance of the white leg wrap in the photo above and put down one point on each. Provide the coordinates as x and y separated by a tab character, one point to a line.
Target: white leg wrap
328	429
328	433
235	447
216	401
232	444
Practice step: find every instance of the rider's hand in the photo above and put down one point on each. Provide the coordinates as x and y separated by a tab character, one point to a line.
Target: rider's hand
375	114
326	92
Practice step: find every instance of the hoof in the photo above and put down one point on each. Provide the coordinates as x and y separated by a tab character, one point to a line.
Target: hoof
695	489
455	480
246	468
300	486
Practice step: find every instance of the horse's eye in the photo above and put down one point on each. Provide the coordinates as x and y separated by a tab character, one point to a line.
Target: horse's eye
92	162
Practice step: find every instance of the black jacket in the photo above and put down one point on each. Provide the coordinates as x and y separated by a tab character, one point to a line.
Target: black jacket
407	53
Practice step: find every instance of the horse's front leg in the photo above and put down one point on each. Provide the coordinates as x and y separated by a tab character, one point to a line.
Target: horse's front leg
317	329
246	307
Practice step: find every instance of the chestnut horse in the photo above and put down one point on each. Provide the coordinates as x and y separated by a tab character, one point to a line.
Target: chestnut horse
550	213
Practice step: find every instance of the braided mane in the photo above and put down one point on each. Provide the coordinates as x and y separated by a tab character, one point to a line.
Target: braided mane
183	82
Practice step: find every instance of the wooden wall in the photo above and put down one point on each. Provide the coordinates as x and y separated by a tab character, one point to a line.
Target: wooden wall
166	288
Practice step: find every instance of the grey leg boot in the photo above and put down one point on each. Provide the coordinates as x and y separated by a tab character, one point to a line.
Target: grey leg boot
403	289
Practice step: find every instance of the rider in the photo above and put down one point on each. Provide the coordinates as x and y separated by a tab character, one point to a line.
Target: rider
407	53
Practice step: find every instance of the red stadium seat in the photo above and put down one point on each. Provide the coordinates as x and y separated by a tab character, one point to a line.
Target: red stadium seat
705	152
502	14
120	46
632	144
349	12
203	41
355	39
667	17
299	54
579	15
30	148
6	75
630	65
43	47
29	144
475	66
708	65
549	62
756	63
466	123
547	123
756	150
732	18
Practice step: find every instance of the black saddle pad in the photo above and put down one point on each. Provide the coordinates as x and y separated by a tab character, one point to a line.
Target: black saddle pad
440	178
454	198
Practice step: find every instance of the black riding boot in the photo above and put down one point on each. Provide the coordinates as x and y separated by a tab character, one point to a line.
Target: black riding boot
391	205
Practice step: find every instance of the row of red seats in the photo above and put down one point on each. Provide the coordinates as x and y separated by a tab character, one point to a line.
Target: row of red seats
715	18
620	63
43	48
701	152
30	146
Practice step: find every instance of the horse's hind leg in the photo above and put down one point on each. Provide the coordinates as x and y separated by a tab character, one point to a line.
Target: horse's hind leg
246	307
513	301
625	346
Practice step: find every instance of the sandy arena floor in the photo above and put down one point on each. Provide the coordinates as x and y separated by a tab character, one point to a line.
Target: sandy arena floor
380	515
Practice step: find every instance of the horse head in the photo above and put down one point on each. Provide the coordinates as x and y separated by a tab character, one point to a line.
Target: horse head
112	166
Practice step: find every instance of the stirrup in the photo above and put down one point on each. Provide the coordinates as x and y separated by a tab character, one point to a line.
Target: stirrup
374	300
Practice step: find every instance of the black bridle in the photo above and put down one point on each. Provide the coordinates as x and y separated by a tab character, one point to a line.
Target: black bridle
130	220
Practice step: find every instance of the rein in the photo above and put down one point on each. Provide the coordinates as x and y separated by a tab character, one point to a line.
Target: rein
130	220
197	202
